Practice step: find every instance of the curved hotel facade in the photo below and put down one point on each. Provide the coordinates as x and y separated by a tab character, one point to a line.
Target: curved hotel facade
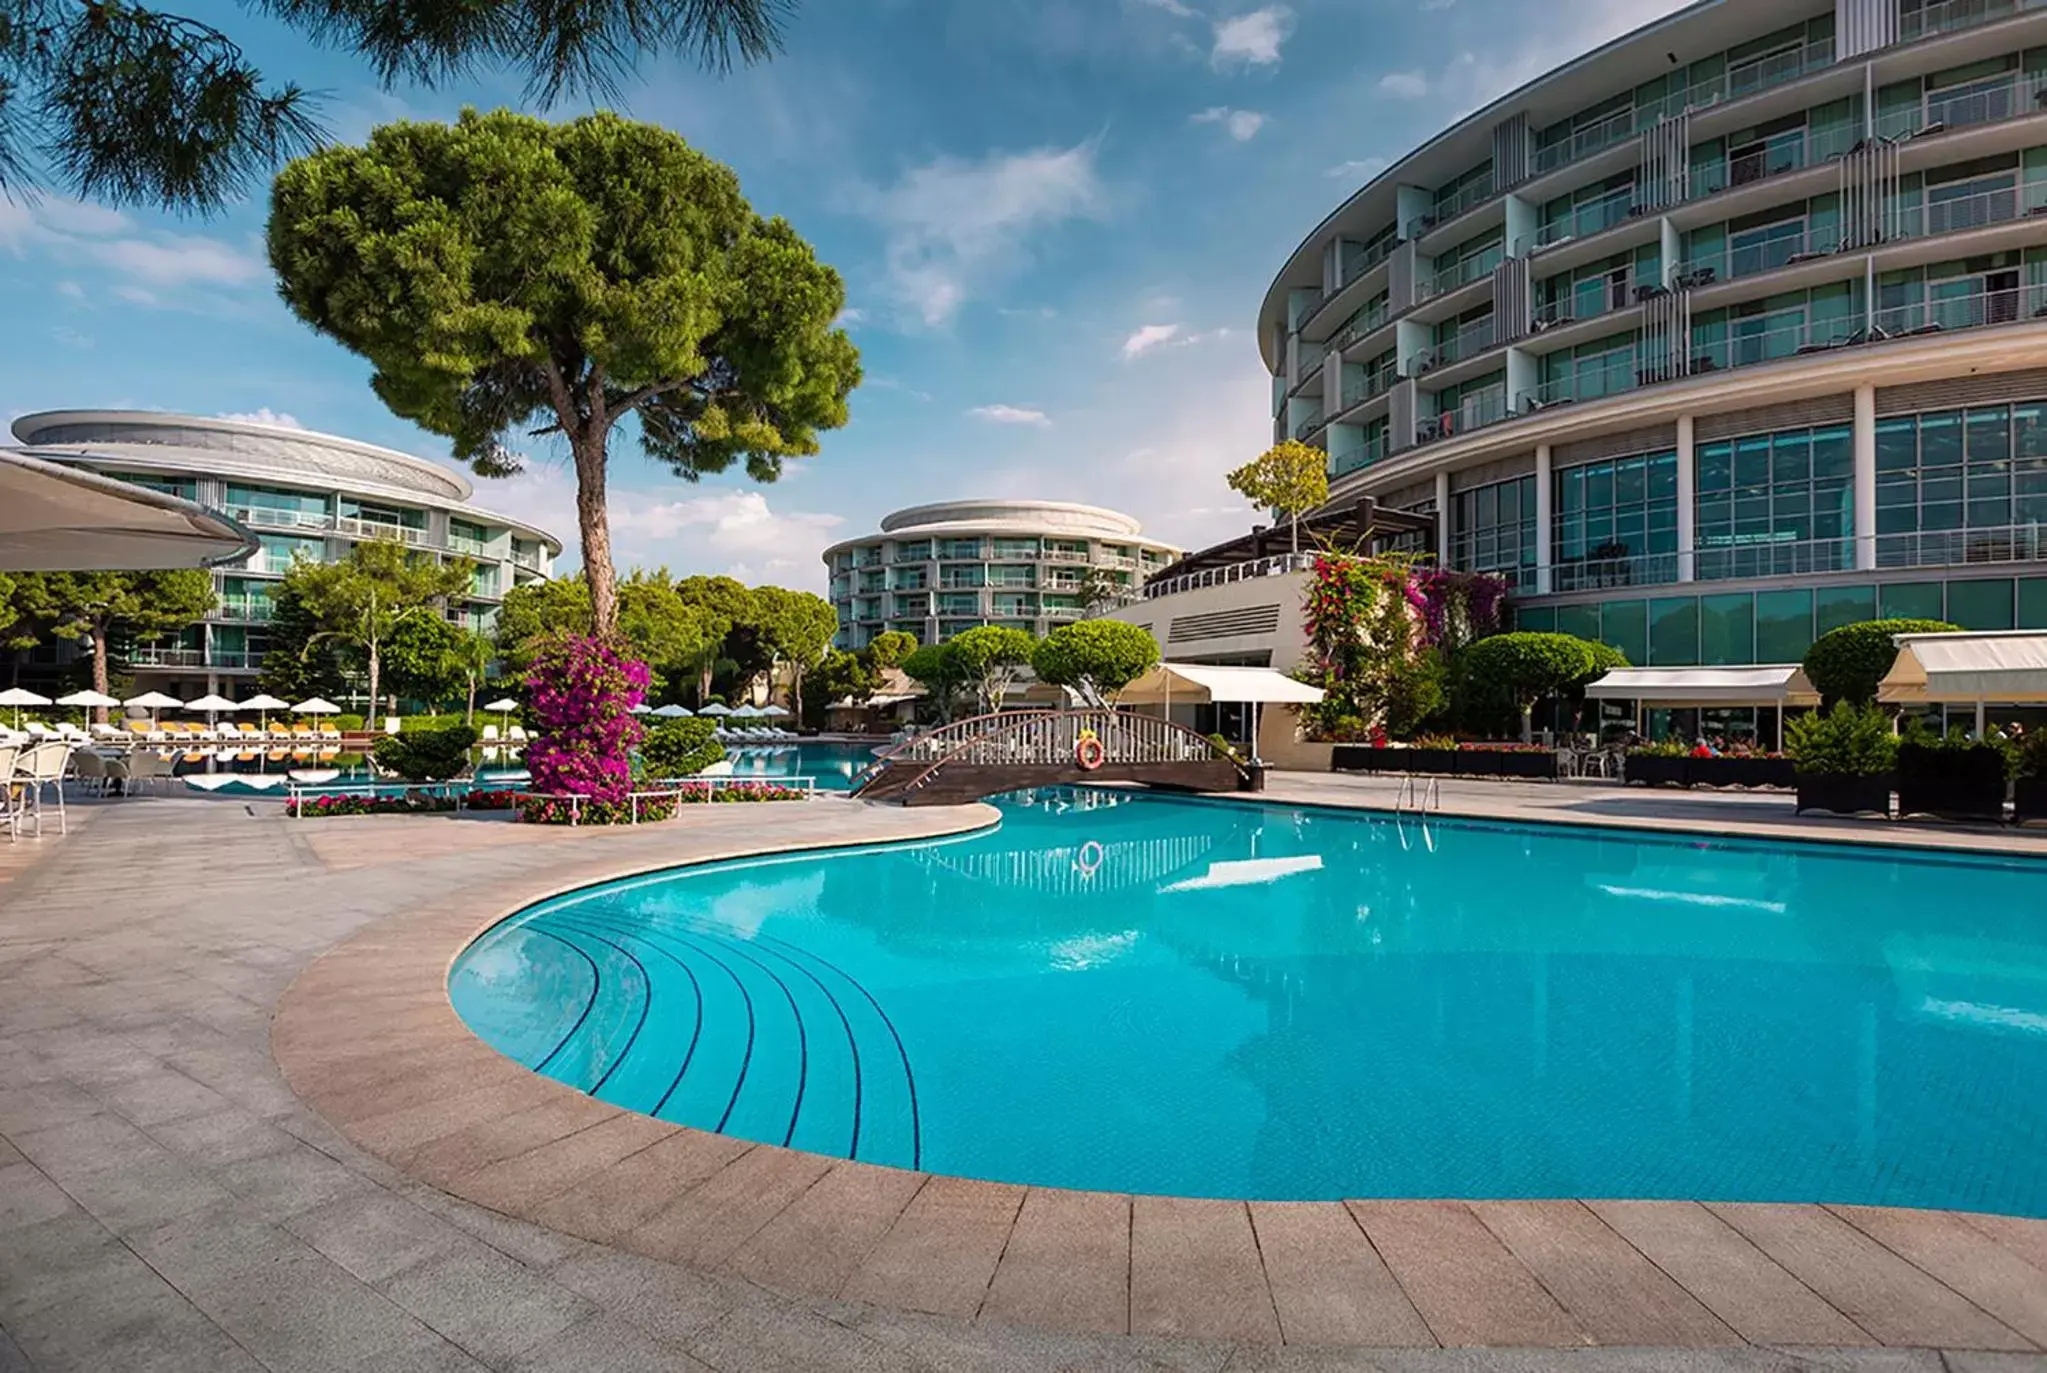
1725	334
934	570
302	494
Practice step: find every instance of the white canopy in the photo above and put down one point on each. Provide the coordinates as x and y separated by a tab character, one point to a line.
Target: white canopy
316	706
264	701
153	700
1204	684
1784	684
748	712
774	712
22	696
503	703
2002	665
211	704
671	711
60	519
87	698
716	708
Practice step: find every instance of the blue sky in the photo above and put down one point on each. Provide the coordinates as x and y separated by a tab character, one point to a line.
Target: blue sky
1055	220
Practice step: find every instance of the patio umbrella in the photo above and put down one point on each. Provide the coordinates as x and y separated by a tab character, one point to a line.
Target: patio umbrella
265	704
641	709
316	706
503	705
97	700
18	697
747	713
775	712
716	708
672	712
153	701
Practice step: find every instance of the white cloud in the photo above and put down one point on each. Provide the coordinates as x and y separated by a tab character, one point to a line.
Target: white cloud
70	290
1172	7
265	415
70	337
1011	414
954	227
1251	39
75	231
1409	85
849	317
136	295
1243	125
179	261
1149	337
1431	6
1358	168
734	532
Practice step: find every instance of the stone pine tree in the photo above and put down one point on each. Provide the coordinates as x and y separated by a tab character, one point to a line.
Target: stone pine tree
98	608
139	106
362	600
505	276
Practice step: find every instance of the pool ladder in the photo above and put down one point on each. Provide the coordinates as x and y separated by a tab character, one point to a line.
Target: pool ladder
1417	797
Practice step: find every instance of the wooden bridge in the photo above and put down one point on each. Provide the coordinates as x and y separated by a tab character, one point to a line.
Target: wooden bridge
1010	750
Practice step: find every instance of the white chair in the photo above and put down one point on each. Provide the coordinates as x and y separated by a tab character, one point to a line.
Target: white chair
37	730
490	734
390	724
11	794
329	734
108	734
43	767
515	734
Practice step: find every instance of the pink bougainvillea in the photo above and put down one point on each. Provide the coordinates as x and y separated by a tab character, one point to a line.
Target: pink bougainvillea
580	694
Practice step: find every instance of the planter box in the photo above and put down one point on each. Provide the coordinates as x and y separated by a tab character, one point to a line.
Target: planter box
1956	784
1741	772
2029	797
1365	758
1655	769
1844	793
1477	762
1538	767
1442	761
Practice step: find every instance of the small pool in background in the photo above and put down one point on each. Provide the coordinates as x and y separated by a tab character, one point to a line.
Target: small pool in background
1215	999
834	764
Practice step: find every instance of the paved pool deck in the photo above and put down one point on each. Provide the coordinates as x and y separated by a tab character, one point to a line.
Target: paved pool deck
241	1128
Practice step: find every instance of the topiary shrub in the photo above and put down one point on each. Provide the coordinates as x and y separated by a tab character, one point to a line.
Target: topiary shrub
1846	664
681	748
1096	658
1528	666
431	755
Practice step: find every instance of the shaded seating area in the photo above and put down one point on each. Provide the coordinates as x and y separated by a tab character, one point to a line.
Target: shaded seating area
1773	687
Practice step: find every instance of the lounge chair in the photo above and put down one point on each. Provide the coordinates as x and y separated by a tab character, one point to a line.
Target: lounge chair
330	734
516	734
490	734
108	734
43	767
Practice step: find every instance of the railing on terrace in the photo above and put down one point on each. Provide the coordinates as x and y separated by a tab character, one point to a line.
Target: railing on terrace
1358	328
1275	566
1785	153
379	529
530	560
1978	210
1064	555
1619	569
1729	557
1475	411
1615	207
1948	15
1063	612
1974	310
1373	450
1471	197
1308	423
245	608
1364	263
463	544
1614	128
1721	557
1803	243
1370	386
1979	102
267	517
1462	272
1468	342
151	655
2012	543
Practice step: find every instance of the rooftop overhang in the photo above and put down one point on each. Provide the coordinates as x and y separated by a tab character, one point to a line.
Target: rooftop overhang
1206	684
2003	666
1345	524
60	519
1779	685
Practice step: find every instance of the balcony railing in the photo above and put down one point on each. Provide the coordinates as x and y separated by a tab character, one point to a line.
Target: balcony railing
1064	555
1359	327
526	558
1362	264
267	517
1617	127
1619	568
1308	423
155	655
1468	342
1370	386
468	547
1979	102
1276	566
1975	310
1355	459
1468	198
2012	543
1474	411
379	529
1615	207
1800	244
1462	272
1948	15
1785	153
257	608
1729	557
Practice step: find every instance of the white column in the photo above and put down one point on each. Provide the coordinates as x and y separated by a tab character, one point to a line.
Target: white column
1443	519
1544	519
1687	499
1865	478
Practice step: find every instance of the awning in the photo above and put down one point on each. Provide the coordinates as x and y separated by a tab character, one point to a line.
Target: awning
59	519
2002	665
1203	684
1781	685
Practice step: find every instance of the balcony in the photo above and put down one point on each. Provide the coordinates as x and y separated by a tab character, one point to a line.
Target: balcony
468	547
528	558
1613	566
1364	263
409	535
1796	243
1370	322
1462	272
1475	411
1356	459
1468	342
1370	386
1595	216
255	608
1233	572
1308	423
1786	153
2005	96
1469	198
1949	15
1065	555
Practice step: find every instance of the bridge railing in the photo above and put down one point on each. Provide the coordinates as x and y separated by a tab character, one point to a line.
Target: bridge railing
1054	736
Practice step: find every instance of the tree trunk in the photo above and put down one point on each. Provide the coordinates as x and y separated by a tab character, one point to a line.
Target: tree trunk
1528	723
595	526
99	669
376	668
469	711
1293	526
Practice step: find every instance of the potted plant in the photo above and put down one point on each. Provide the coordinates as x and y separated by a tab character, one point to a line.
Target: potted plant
1955	777
1843	759
1658	764
2029	789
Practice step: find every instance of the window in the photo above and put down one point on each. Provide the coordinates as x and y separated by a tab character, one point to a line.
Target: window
1961	486
185	487
1493	530
1776	504
1615	522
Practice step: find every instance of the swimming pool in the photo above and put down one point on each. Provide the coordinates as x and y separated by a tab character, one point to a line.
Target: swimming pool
832	763
1217	999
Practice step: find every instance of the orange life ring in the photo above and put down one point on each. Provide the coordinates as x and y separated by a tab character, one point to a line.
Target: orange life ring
1088	753
1088	860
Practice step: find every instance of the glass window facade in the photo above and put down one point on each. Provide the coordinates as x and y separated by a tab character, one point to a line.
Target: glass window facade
1493	530
1961	486
1615	522
1776	504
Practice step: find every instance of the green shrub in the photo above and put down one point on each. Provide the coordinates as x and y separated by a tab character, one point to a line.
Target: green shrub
1660	748
1850	739
681	748
1223	747
432	755
1846	664
1529	665
347	724
2032	754
428	724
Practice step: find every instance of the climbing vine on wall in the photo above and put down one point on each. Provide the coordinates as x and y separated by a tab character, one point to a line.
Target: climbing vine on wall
1380	630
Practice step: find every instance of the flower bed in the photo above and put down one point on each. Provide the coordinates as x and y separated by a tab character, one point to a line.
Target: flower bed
563	810
367	803
500	799
743	791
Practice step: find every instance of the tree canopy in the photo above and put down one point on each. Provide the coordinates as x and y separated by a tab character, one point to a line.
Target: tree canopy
140	107
936	668
1846	663
888	649
100	607
364	598
990	658
504	275
1291	477
1529	665
1096	658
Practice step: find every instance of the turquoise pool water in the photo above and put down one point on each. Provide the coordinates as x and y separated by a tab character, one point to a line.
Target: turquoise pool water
1214	999
834	765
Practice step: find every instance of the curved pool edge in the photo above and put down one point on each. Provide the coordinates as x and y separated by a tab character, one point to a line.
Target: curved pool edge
368	1038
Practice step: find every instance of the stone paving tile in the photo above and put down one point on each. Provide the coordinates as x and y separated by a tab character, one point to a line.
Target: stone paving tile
525	1181
821	1238
1465	1283
1067	1266
606	1343
1882	1293
1328	1284
946	1345
491	1305
1195	1270
767	1340
12	1360
670	1302
376	1235
1964	1258
1728	1274
128	1197
53	1261
1620	1297
706	1224
131	1322
298	1179
228	1135
940	1254
602	1208
27	1197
